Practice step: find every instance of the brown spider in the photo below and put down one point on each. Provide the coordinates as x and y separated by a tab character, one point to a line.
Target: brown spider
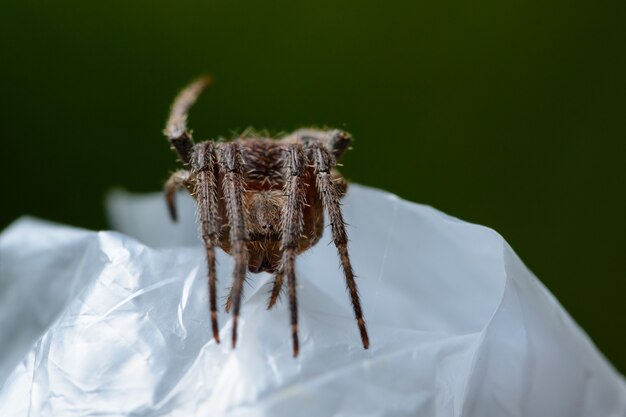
262	201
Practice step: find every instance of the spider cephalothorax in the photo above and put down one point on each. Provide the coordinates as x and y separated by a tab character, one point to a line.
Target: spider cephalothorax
262	200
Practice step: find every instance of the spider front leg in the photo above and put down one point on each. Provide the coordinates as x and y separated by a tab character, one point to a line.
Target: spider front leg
176	127
293	224
330	194
231	166
203	166
176	181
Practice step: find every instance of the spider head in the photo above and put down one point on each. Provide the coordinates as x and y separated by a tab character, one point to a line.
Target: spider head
264	210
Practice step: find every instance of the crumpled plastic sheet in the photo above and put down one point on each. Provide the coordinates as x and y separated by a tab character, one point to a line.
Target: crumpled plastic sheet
105	324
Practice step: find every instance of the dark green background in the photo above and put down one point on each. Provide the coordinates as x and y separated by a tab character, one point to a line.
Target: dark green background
506	113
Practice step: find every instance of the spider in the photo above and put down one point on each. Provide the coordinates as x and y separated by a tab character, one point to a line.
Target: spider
261	200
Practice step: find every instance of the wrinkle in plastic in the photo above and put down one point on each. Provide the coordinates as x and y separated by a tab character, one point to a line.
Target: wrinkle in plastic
117	324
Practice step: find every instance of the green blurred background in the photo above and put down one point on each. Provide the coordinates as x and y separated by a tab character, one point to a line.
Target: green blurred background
506	113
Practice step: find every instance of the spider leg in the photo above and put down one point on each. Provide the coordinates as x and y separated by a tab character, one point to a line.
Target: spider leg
228	305
231	165
176	127
293	224
177	180
330	195
279	279
335	140
203	165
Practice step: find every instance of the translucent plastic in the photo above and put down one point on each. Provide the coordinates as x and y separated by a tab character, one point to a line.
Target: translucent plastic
105	324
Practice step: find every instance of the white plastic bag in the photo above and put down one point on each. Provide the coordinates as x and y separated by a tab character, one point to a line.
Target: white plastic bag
103	324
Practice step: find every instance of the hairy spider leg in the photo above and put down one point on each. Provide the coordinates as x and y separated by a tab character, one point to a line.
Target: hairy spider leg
231	166
324	161
279	279
203	166
202	177
325	147
277	287
336	141
176	127
177	180
293	225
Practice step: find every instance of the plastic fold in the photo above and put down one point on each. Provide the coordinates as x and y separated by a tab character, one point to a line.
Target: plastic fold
117	324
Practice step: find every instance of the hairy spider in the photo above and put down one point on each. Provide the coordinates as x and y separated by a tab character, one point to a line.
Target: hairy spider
262	200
